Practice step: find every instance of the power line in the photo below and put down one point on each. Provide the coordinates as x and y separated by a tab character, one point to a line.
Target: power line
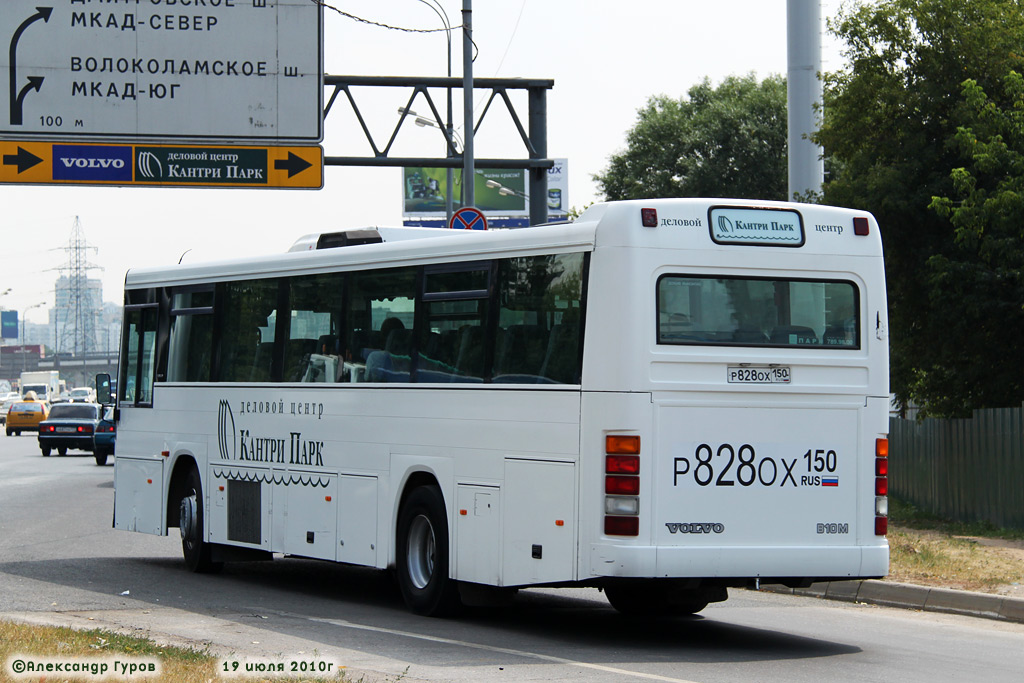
370	22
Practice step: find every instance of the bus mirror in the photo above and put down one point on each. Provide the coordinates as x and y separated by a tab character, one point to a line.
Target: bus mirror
103	389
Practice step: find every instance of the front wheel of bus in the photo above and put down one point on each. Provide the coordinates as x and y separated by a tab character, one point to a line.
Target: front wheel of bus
193	547
422	554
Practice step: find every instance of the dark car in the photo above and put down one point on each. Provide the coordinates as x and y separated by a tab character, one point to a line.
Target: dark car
103	439
69	425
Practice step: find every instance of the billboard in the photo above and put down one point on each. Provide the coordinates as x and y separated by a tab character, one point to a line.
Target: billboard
193	70
8	324
499	192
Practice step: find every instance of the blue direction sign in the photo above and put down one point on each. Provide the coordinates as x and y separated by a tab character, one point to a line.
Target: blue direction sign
468	218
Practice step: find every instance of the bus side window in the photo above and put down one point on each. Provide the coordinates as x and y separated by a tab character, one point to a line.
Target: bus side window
312	352
248	322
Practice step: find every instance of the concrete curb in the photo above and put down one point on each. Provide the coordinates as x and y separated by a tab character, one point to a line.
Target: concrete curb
910	596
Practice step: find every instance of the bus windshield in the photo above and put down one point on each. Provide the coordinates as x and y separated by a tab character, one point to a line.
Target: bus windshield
694	309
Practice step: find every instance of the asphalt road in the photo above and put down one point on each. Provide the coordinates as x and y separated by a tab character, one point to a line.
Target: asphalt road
62	563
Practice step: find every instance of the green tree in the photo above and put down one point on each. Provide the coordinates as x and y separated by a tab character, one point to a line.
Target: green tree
728	141
987	264
891	122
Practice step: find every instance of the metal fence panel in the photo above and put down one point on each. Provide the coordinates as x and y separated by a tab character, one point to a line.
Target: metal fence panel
969	470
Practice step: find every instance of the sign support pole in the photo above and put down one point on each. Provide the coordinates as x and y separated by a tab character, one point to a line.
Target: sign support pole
468	168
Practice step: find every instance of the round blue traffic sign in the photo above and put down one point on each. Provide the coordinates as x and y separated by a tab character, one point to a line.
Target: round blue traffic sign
468	218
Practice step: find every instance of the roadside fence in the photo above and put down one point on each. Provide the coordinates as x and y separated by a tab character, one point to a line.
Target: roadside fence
969	470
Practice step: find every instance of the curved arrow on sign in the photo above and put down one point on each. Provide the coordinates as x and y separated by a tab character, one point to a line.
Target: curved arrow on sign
34	82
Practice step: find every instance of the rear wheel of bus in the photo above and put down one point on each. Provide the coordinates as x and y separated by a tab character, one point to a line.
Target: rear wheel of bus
197	552
422	554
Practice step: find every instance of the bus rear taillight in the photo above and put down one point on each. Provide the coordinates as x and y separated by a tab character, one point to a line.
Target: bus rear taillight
622	485
881	487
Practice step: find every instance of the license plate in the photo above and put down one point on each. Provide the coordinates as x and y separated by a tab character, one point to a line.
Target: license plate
776	374
65	430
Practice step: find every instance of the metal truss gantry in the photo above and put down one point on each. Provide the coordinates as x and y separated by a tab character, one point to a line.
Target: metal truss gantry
534	135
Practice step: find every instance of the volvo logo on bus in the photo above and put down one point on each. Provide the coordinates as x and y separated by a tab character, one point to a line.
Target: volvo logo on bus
695	527
92	163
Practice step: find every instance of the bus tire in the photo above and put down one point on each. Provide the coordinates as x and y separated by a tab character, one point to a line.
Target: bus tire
195	550
422	555
654	601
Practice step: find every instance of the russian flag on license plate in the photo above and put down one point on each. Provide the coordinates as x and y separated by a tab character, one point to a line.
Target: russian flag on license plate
830	481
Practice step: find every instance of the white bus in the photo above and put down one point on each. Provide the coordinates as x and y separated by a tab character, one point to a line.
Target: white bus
662	399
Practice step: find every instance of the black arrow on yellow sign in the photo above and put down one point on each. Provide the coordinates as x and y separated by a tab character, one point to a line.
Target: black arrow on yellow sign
294	164
24	160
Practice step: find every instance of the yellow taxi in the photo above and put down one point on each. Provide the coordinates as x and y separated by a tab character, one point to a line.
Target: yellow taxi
25	416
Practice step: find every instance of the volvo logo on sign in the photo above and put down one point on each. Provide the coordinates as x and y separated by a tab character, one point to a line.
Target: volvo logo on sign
104	163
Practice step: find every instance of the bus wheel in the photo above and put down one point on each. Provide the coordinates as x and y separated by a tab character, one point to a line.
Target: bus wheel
193	547
655	600
422	554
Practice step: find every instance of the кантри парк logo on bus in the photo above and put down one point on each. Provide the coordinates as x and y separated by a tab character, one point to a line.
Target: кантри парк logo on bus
235	442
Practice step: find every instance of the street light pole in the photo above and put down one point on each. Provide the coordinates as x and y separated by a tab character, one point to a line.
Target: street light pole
24	319
449	198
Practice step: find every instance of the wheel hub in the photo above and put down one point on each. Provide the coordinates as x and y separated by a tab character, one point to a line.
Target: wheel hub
421	549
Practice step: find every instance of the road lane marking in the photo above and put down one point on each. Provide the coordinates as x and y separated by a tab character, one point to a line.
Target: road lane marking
490	648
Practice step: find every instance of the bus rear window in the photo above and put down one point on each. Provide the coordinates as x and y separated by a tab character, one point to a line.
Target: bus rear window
733	311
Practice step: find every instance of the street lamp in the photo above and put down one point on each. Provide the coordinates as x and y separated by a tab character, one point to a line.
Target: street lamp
424	122
5	293
505	191
24	317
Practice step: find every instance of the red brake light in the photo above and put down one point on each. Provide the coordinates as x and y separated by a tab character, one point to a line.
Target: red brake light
649	218
881	486
860	226
881	467
622	486
622	464
621	526
881	526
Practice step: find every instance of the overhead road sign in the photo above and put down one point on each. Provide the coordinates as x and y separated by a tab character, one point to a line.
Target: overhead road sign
197	70
77	163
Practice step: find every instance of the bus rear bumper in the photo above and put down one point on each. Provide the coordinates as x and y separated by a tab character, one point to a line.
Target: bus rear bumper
813	562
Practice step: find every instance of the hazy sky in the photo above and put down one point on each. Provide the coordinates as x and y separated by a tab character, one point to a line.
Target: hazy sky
605	56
